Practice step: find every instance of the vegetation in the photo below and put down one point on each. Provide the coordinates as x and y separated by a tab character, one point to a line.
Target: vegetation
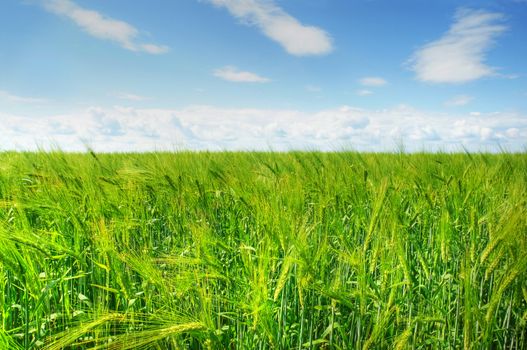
263	250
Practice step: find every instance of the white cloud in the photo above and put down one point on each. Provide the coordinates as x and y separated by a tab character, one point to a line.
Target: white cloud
20	99
373	81
102	27
233	74
129	97
152	49
364	92
370	82
313	88
458	101
459	55
513	132
296	38
213	128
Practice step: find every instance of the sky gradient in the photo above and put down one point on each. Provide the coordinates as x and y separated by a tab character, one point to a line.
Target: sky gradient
368	75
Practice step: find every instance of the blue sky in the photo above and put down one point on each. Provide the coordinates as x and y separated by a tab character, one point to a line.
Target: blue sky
142	75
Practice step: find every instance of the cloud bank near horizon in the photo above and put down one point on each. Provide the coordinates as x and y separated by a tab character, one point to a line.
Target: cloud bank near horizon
122	129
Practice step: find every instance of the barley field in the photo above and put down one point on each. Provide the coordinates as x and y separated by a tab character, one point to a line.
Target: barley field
297	250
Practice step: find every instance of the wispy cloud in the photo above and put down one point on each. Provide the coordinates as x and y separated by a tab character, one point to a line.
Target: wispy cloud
231	73
213	128
364	92
296	38
459	55
20	99
459	100
102	27
373	81
129	97
313	88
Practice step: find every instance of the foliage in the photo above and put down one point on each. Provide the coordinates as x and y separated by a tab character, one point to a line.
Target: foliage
263	250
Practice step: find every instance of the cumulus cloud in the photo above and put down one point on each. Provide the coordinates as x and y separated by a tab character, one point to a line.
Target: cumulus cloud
213	128
231	73
459	100
459	55
102	27
296	38
373	81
